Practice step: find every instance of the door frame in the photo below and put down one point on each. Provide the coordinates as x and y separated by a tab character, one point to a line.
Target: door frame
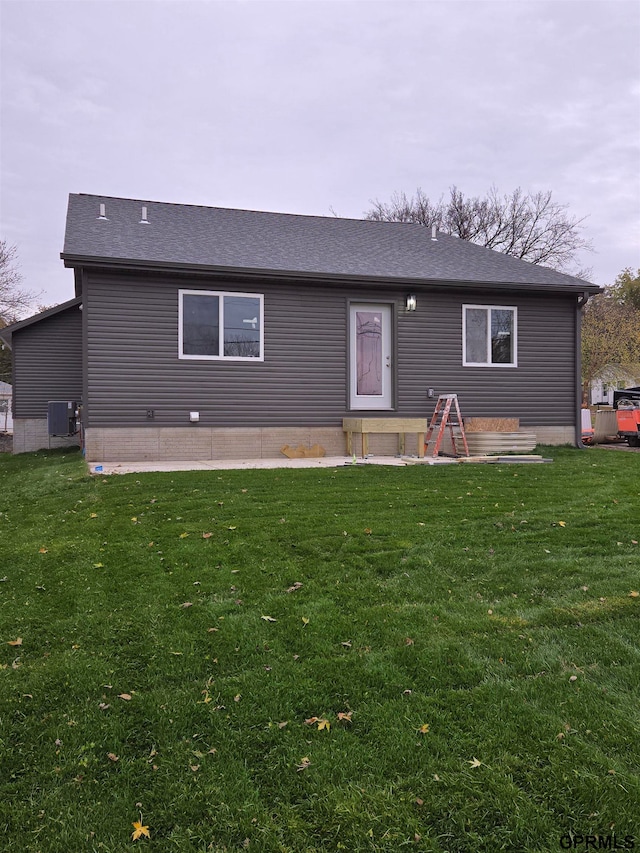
385	401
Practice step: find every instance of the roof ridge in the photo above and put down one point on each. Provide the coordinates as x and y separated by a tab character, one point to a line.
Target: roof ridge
253	210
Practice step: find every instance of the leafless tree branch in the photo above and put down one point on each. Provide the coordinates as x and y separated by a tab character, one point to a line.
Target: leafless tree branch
529	226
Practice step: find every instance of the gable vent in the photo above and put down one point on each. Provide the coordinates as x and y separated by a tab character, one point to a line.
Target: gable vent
103	212
434	233
143	218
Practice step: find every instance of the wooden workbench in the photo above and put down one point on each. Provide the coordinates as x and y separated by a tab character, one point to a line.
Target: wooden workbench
400	426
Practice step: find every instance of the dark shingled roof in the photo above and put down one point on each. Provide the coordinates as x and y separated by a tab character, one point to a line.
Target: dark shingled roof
180	235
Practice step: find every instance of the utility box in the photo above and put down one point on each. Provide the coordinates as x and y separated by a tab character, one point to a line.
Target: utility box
61	417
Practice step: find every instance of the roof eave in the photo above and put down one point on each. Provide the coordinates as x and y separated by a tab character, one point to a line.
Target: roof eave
92	262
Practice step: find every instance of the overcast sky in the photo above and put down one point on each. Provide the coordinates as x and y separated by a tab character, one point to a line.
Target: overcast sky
317	107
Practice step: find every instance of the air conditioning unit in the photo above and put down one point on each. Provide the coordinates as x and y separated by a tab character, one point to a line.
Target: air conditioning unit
62	417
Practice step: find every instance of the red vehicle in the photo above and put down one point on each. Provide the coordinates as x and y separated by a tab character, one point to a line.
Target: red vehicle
627	405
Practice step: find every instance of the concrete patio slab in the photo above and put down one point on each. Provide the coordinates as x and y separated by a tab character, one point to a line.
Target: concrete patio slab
253	464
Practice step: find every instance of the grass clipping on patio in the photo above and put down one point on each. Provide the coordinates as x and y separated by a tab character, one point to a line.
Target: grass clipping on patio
361	658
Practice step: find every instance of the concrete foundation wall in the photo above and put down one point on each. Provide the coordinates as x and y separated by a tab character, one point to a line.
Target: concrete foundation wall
193	443
554	435
31	434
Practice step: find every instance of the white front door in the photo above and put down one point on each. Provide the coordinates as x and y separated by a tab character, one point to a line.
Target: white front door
370	375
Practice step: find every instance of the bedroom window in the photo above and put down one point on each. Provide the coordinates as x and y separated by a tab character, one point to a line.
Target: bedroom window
489	336
217	325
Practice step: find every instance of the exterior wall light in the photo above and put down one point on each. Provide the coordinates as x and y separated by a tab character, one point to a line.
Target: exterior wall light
411	302
194	417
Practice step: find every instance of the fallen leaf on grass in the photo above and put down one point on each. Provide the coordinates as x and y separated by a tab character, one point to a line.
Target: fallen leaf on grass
322	722
125	696
634	594
305	620
139	830
346	644
98	565
475	763
368	531
418	801
304	764
112	757
424	729
283	724
186	604
194	767
16	642
573	678
268	618
207	535
103	706
294	587
43	551
345	716
408	641
562	523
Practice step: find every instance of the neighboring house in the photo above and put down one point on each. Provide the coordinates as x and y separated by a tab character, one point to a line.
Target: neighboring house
612	377
201	333
6	419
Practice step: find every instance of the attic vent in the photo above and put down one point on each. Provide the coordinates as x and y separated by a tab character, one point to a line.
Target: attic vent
103	212
143	219
434	233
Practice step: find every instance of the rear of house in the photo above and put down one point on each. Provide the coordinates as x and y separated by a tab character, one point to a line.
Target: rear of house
206	333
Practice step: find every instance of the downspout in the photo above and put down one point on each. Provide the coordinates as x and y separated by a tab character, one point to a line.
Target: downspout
582	301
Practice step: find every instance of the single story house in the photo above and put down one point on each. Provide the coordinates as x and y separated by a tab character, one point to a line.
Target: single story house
209	333
610	379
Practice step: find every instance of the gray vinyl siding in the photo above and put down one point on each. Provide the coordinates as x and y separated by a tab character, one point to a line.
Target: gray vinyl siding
47	363
133	365
539	391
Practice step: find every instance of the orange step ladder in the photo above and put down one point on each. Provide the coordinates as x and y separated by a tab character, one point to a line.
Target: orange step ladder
446	416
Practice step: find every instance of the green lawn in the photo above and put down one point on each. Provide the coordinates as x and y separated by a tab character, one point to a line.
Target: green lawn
470	635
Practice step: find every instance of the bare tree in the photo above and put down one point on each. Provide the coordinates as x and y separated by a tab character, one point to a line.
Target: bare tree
530	226
14	300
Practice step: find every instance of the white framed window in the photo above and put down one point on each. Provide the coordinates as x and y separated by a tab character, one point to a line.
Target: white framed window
216	325
489	336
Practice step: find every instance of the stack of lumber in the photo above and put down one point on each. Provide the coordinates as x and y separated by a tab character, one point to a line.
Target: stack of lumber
497	435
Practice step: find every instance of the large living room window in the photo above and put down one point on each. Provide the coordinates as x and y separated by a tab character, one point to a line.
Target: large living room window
489	336
218	325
